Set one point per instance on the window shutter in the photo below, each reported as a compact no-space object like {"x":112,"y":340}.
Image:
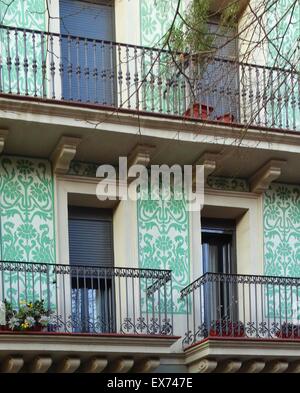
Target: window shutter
{"x":91,"y":239}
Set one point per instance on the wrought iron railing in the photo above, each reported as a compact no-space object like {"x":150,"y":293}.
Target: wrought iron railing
{"x":79,"y":69}
{"x":242,"y":306}
{"x":89,"y":299}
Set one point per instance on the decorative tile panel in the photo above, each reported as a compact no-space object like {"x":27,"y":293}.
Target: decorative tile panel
{"x":79,"y":168}
{"x":27,"y":216}
{"x":29,"y":14}
{"x":228,"y":183}
{"x":163,"y":241}
{"x":27,"y":225}
{"x":282,"y":246}
{"x":284,"y":26}
{"x":282,"y":230}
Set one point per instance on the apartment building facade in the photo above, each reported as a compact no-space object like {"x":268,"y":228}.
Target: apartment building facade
{"x":146,"y":285}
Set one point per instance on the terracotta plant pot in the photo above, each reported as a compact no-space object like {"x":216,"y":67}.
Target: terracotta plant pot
{"x":288,"y":330}
{"x":205,"y":111}
{"x":227,"y":329}
{"x":227,"y":118}
{"x":4,"y":328}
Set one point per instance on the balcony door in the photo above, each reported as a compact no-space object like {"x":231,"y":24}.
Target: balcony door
{"x":218,"y":256}
{"x":87,"y":64}
{"x":91,"y":258}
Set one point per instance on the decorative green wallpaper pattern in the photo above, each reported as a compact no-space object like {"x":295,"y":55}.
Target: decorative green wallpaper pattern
{"x":27,"y":215}
{"x":282,"y":230}
{"x":228,"y":183}
{"x":163,"y":241}
{"x":283,"y":22}
{"x":282,"y":247}
{"x":79,"y":168}
{"x":156,"y":17}
{"x":30,"y":14}
{"x":27,"y":226}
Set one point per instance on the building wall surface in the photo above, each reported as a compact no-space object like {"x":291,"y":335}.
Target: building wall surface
{"x":27,"y":210}
{"x":282,"y":230}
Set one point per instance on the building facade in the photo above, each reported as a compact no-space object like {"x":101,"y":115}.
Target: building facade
{"x":146,"y":285}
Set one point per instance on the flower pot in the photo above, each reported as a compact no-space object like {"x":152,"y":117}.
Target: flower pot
{"x":227,"y":118}
{"x":36,"y":328}
{"x":205,"y":111}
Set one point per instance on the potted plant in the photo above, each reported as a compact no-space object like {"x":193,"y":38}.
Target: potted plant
{"x":194,"y":42}
{"x":30,"y":316}
{"x":288,"y":330}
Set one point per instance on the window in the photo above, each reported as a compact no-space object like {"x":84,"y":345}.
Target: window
{"x":218,"y":256}
{"x":87,"y":64}
{"x":91,"y":249}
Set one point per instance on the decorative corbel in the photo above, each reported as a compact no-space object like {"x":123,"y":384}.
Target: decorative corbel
{"x":209,"y":161}
{"x":276,"y":367}
{"x":68,"y":365}
{"x":12,"y":364}
{"x":41,"y":364}
{"x":203,"y":366}
{"x":64,"y":153}
{"x":229,"y":366}
{"x":140,"y":155}
{"x":121,"y":365}
{"x":146,"y":365}
{"x":261,"y":180}
{"x":3,"y":135}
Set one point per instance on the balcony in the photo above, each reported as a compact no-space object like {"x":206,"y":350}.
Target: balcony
{"x":99,"y":74}
{"x":242,"y":307}
{"x":86,"y":299}
{"x":242,"y":323}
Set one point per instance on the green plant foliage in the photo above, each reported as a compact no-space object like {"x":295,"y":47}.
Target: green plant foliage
{"x":191,"y":33}
{"x":27,"y":316}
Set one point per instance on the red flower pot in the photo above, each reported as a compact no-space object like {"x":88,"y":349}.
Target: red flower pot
{"x":227,"y":118}
{"x":205,"y":111}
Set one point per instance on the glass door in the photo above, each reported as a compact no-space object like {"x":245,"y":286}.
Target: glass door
{"x":218,"y":256}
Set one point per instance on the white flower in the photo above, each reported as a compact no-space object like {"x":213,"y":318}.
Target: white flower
{"x":44,"y":320}
{"x":13,"y":322}
{"x":30,"y":321}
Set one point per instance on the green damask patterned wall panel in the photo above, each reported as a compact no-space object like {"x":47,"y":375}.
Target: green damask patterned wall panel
{"x":163,"y":238}
{"x":283,"y":22}
{"x":228,"y":183}
{"x":79,"y":168}
{"x":282,"y":230}
{"x":30,"y":14}
{"x":156,"y":17}
{"x":27,"y":211}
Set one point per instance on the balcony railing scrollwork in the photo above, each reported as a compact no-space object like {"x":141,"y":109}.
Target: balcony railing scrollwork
{"x":242,"y":306}
{"x":91,"y":299}
{"x":79,"y":69}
